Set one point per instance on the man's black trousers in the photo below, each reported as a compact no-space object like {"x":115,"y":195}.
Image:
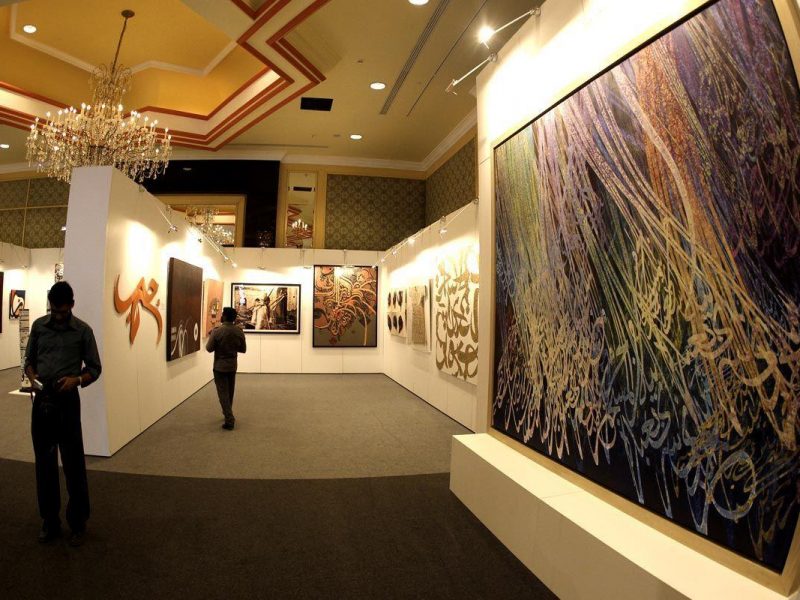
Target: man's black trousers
{"x":56,"y":425}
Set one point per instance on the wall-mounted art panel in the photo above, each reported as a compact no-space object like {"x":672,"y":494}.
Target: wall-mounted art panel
{"x":184,"y":308}
{"x":1,"y":300}
{"x":16,"y":303}
{"x":58,"y":272}
{"x":648,"y":280}
{"x":455,"y":298}
{"x":419,"y":300}
{"x":142,"y":296}
{"x":345,"y":307}
{"x":267,"y":307}
{"x":212,"y":305}
{"x":397,"y":312}
{"x":24,"y":336}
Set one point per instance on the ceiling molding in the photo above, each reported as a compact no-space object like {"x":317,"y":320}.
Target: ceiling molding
{"x":287,"y":75}
{"x":452,"y":138}
{"x":88,"y":67}
{"x":13,"y":168}
{"x":350,"y":161}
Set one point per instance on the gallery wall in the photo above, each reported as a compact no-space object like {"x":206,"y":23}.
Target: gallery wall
{"x":32,"y":271}
{"x":549,"y":58}
{"x":452,"y":185}
{"x":294,"y":353}
{"x":413,"y":366}
{"x":372,"y":213}
{"x":33,"y":211}
{"x":138,"y":386}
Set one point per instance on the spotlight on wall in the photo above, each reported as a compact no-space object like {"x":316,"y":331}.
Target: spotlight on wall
{"x":485,"y":34}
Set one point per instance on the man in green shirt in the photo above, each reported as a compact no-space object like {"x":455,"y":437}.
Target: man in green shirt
{"x":61,"y":356}
{"x":226,"y":341}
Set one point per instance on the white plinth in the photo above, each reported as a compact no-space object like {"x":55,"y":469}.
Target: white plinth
{"x":577,"y":544}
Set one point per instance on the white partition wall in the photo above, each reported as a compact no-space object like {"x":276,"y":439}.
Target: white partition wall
{"x":560,"y":525}
{"x":32,"y":271}
{"x":409,"y":365}
{"x":114,"y":228}
{"x":294,"y":353}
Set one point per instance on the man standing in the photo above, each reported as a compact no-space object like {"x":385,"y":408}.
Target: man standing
{"x":226,"y":341}
{"x":61,"y":355}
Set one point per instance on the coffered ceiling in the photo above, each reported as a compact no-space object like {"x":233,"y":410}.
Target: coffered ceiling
{"x":226,"y":76}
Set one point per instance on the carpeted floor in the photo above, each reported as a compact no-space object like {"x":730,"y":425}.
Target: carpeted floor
{"x":331,"y":486}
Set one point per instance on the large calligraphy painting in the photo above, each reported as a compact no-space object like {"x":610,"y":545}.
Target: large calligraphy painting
{"x":184,"y":308}
{"x":143,"y":294}
{"x":345,"y":306}
{"x":455,"y":298}
{"x":648,"y":280}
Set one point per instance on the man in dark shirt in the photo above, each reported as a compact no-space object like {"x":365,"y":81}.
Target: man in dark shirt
{"x":226,"y":341}
{"x":61,"y":355}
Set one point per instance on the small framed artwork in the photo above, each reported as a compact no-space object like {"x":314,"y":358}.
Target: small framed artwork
{"x":267,"y":307}
{"x":16,"y":303}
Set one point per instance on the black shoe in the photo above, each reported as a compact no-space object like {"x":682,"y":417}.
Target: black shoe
{"x":228,"y":426}
{"x":48,"y":533}
{"x":76,"y":538}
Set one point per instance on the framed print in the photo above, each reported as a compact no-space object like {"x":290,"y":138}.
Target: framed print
{"x":267,"y":307}
{"x":16,"y":303}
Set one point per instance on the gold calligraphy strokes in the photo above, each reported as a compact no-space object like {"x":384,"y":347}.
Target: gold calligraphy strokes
{"x":345,"y":306}
{"x":144,"y":295}
{"x":456,"y":315}
{"x":419,"y":301}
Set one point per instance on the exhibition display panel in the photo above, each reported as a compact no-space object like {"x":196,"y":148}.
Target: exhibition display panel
{"x":646,"y":293}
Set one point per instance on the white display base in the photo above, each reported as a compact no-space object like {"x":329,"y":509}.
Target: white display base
{"x":577,"y":544}
{"x":18,"y":393}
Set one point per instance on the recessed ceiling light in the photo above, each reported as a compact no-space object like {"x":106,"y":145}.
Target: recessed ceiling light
{"x":4,"y":146}
{"x":377,"y":85}
{"x":29,"y":28}
{"x":356,"y":136}
{"x":418,"y":2}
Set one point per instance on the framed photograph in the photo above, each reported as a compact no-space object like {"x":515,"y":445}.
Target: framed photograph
{"x":345,"y":307}
{"x":267,"y":307}
{"x":212,"y":305}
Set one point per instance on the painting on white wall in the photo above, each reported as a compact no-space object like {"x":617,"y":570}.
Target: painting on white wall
{"x":267,"y":307}
{"x":16,"y":303}
{"x":456,"y":313}
{"x":419,"y":302}
{"x":397,"y":313}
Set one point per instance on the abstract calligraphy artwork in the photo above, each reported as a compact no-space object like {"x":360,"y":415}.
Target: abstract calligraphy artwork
{"x":397,"y":313}
{"x":419,"y":299}
{"x":16,"y":303}
{"x":345,"y":307}
{"x":184,"y":308}
{"x":455,"y":301}
{"x":648,"y":280}
{"x":212,"y":305}
{"x":143,"y":294}
{"x":267,"y":307}
{"x":58,"y":272}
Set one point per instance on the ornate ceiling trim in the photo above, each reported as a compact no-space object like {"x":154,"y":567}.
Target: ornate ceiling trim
{"x":287,"y":75}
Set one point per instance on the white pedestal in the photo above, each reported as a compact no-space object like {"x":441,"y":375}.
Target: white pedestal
{"x":577,"y":544}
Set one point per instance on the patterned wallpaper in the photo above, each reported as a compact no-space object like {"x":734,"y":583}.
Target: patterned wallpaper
{"x":32,"y":212}
{"x":372,"y":213}
{"x":452,"y":185}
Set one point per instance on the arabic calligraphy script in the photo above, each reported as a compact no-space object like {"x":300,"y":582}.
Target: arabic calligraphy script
{"x":456,"y":297}
{"x":143,"y":294}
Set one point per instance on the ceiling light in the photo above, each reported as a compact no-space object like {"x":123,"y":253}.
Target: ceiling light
{"x":4,"y":146}
{"x":418,"y":2}
{"x":356,"y":136}
{"x":377,"y":85}
{"x":29,"y":28}
{"x":485,"y":34}
{"x":69,"y":138}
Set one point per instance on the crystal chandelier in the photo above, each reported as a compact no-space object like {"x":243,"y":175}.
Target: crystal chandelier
{"x":299,"y":225}
{"x":202,"y":217}
{"x":99,"y":134}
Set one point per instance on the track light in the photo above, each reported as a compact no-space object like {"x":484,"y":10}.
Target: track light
{"x":172,"y":229}
{"x":485,"y":34}
{"x":442,"y":226}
